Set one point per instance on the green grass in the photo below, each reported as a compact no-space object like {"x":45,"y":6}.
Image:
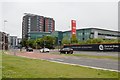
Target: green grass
{"x":91,"y":56}
{"x":19,"y":67}
{"x":0,"y":64}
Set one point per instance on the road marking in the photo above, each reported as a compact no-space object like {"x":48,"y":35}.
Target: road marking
{"x":56,"y":59}
{"x":85,"y":66}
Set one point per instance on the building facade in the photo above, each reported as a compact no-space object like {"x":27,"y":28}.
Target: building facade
{"x":36,"y":23}
{"x":1,"y":41}
{"x":49,"y":25}
{"x":4,"y":41}
{"x":35,"y":35}
{"x":81,"y":34}
{"x":13,"y":41}
{"x":91,"y":33}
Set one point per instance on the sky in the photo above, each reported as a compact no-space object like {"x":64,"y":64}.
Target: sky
{"x":92,"y":14}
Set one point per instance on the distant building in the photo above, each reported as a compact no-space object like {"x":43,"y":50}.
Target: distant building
{"x":19,"y":40}
{"x":36,"y":23}
{"x":91,"y":33}
{"x":1,"y":42}
{"x":81,"y":34}
{"x":49,"y":25}
{"x":13,"y":41}
{"x":4,"y":41}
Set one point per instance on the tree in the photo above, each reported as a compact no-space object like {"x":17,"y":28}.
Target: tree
{"x":49,"y":41}
{"x":38,"y":43}
{"x":30,"y":43}
{"x":24,"y":43}
{"x":65,"y":40}
{"x":74,"y":39}
{"x":46,"y":41}
{"x":82,"y":42}
{"x":94,"y":41}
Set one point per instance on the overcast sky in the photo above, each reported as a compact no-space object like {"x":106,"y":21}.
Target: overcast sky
{"x":87,"y":14}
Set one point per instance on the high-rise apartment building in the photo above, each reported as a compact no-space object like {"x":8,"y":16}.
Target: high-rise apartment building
{"x":36,"y":23}
{"x":49,"y":25}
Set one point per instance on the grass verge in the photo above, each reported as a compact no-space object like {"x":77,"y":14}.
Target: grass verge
{"x":0,"y":64}
{"x":19,"y":67}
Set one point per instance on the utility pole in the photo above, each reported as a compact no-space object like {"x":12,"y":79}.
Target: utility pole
{"x":4,"y":35}
{"x":43,"y":43}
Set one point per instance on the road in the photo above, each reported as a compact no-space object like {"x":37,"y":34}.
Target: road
{"x":91,"y":62}
{"x":92,"y":53}
{"x":98,"y":63}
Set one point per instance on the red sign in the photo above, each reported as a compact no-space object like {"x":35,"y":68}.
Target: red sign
{"x":73,"y":24}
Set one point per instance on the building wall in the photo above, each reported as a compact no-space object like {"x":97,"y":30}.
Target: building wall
{"x":4,"y":41}
{"x":13,"y":41}
{"x":90,"y":33}
{"x":25,"y":26}
{"x":82,"y":34}
{"x":49,"y":25}
{"x":35,"y":35}
{"x":58,"y":35}
{"x":0,"y":40}
{"x":105,"y":34}
{"x":67,"y":34}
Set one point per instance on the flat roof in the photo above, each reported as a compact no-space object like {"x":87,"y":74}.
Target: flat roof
{"x":94,"y":28}
{"x":38,"y":32}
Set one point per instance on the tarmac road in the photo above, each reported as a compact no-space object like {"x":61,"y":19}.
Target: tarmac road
{"x":92,"y":53}
{"x":99,"y":63}
{"x":91,"y":62}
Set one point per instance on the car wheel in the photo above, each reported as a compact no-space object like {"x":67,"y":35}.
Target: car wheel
{"x":41,"y":51}
{"x":68,"y":52}
{"x":71,"y":52}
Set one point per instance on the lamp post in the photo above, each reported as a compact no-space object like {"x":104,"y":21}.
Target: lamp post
{"x":4,"y":35}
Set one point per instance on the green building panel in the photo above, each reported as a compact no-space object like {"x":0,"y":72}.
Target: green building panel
{"x":36,"y":35}
{"x":67,"y":34}
{"x":79,"y":34}
{"x":87,"y":33}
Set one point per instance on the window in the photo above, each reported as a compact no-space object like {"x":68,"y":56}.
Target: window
{"x":83,"y":38}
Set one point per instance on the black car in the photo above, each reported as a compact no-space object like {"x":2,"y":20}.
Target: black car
{"x":66,"y":50}
{"x":29,"y":49}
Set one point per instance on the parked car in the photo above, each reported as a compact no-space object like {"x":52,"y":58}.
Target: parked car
{"x":44,"y":50}
{"x":29,"y":49}
{"x":66,"y":50}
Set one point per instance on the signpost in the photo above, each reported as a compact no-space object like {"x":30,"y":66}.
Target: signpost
{"x":73,"y":26}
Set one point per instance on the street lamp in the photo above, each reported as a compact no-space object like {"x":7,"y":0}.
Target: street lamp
{"x":44,"y":42}
{"x":4,"y":35}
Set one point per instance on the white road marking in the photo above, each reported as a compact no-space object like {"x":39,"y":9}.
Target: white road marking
{"x":85,"y":66}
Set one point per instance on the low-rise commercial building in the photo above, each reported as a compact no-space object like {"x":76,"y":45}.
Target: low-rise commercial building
{"x":81,"y":34}
{"x":91,"y":33}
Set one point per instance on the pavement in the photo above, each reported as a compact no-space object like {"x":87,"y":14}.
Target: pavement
{"x":105,"y":64}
